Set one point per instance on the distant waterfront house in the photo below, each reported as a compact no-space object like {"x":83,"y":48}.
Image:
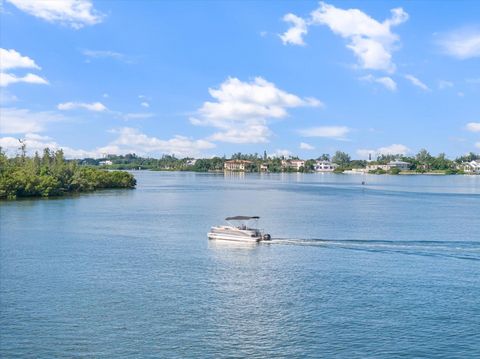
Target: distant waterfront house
{"x":374,"y":167}
{"x":263,"y":167}
{"x":472,"y":167}
{"x":236,"y":165}
{"x":325,"y":166}
{"x":105,"y":163}
{"x":191,"y":162}
{"x":402,"y":166}
{"x":293,"y":164}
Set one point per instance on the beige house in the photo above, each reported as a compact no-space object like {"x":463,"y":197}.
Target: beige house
{"x":236,"y":165}
{"x":294,"y":164}
{"x":263,"y":167}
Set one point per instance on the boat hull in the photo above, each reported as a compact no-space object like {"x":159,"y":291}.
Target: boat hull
{"x":235,"y":238}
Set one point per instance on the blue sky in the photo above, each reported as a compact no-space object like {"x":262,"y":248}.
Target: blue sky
{"x":195,"y":78}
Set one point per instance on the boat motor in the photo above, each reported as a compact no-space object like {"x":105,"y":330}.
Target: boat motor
{"x":266,"y":237}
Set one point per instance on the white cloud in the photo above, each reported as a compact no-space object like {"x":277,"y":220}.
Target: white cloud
{"x":241,"y":110}
{"x":306,"y":146}
{"x":94,"y":106}
{"x":281,"y":153}
{"x":386,"y":81}
{"x":416,"y":82}
{"x":294,"y":35}
{"x":7,"y":97}
{"x":473,"y":126}
{"x":137,"y":116}
{"x":19,"y":121}
{"x":371,"y":41}
{"x":7,"y":79}
{"x":73,"y":13}
{"x":98,"y":54}
{"x":132,"y":140}
{"x":129,"y":140}
{"x":477,"y":144}
{"x":395,"y":149}
{"x":335,"y":132}
{"x":461,"y":44}
{"x":443,"y":84}
{"x":145,"y":104}
{"x":254,"y":132}
{"x":12,"y":59}
{"x":37,"y":143}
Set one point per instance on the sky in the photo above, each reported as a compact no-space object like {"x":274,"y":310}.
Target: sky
{"x":205,"y":78}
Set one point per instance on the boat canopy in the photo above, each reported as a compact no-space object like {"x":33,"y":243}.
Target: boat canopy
{"x":241,"y":218}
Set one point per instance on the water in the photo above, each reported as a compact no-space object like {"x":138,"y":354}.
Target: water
{"x":390,"y":269}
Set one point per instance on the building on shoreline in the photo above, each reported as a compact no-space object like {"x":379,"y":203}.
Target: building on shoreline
{"x":472,"y":167}
{"x":263,"y":167}
{"x":293,"y":164}
{"x":236,"y":165}
{"x":402,"y":166}
{"x":325,"y":166}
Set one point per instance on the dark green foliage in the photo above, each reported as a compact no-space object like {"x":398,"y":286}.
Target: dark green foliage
{"x":51,"y":175}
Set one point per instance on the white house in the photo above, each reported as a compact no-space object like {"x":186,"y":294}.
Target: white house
{"x":472,"y":167}
{"x":325,"y":166}
{"x":105,"y":163}
{"x":402,"y":166}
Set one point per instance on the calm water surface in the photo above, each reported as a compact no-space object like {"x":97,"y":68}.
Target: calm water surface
{"x":390,"y":269}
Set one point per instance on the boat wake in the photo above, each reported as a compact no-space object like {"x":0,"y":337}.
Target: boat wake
{"x":467,"y":250}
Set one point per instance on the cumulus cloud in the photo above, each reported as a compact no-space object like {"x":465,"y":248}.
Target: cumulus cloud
{"x":145,"y":104}
{"x":462,"y":43}
{"x":241,"y":110}
{"x":335,"y":132}
{"x":473,"y":126}
{"x":73,"y":13}
{"x":395,"y":149}
{"x":371,"y":41}
{"x":94,"y":106}
{"x":281,"y":153}
{"x":7,"y":79}
{"x":136,"y":115}
{"x":132,"y":140}
{"x":306,"y":146}
{"x":294,"y":35}
{"x":386,"y":81}
{"x":37,"y":143}
{"x":129,"y":140}
{"x":12,"y":59}
{"x":19,"y":121}
{"x":416,"y":82}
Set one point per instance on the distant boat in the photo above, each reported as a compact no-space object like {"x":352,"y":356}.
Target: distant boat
{"x":241,"y":232}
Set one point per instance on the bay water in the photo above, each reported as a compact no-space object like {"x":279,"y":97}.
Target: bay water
{"x":384,"y":270}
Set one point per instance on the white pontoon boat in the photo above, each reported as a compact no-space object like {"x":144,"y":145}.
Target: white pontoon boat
{"x":241,"y":232}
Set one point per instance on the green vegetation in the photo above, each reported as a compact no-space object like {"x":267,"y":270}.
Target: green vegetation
{"x":422,"y":162}
{"x":51,"y":175}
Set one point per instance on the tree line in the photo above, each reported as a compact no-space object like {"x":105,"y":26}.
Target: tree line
{"x":51,"y":175}
{"x":421,"y":162}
